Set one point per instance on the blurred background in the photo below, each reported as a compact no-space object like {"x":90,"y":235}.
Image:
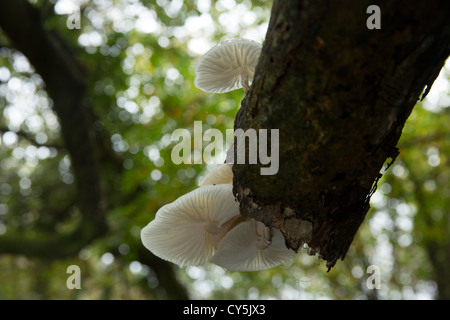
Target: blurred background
{"x":140,"y":57}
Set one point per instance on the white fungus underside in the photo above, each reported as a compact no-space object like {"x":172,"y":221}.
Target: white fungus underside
{"x":225,"y":67}
{"x":178,"y":233}
{"x":238,"y":250}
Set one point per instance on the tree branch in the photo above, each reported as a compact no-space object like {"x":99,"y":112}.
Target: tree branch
{"x":65,"y":83}
{"x":165,"y":272}
{"x":30,"y":139}
{"x":339,"y":94}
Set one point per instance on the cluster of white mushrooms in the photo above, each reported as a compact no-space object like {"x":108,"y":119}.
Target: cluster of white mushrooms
{"x":205,"y":224}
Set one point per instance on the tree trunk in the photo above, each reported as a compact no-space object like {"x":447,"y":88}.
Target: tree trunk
{"x":339,"y":93}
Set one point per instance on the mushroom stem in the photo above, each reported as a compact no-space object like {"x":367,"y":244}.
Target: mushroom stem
{"x":220,"y":230}
{"x":244,"y":248}
{"x":188,"y":230}
{"x":245,"y":82}
{"x":267,"y":235}
{"x":264,"y":236}
{"x":233,"y":222}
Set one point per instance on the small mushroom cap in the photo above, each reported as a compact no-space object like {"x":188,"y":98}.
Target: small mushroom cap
{"x":227,"y":66}
{"x":222,"y":174}
{"x":187,"y":231}
{"x":245,"y":249}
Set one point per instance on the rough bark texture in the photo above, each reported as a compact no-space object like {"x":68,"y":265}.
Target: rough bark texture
{"x":339,"y":94}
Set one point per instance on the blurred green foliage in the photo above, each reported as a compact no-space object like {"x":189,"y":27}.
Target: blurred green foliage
{"x":139,"y":57}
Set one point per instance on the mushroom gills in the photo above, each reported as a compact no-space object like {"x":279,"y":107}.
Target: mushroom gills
{"x":216,"y":231}
{"x":228,"y":66}
{"x":246,"y":248}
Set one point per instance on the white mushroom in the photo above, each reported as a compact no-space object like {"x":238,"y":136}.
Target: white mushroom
{"x":222,"y":174}
{"x":228,"y":66}
{"x":188,"y":230}
{"x":248,"y":247}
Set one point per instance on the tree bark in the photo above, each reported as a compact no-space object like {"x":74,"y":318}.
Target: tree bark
{"x":339,"y":94}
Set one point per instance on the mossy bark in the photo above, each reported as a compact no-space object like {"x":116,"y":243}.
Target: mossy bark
{"x":339,"y":94}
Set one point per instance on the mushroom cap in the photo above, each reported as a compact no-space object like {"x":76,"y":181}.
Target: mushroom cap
{"x":244,"y":248}
{"x":227,"y":65}
{"x":188,"y":230}
{"x":222,"y":174}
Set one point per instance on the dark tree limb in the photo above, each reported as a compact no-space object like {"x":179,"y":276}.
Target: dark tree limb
{"x":89,"y":149}
{"x":28,"y":137}
{"x":66,"y":85}
{"x":165,"y":273}
{"x":340,"y":95}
